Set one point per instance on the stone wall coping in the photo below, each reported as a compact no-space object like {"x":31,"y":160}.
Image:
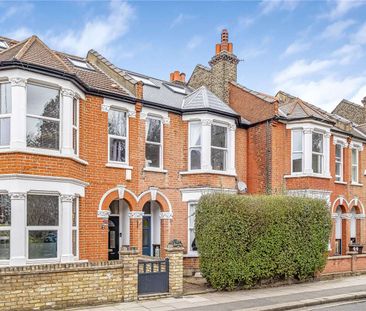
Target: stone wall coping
{"x":174,"y":249}
{"x":61,"y":268}
{"x":339,"y":257}
{"x":128,"y":252}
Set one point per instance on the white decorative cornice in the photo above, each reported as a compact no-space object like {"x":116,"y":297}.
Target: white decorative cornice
{"x":346,"y":216}
{"x":131,"y":113}
{"x":327,"y":135}
{"x":360,"y":216}
{"x":153,"y":192}
{"x":135,"y":215}
{"x":356,"y":145}
{"x":121,"y":191}
{"x":206,"y":122}
{"x":103,"y":214}
{"x":166,"y":120}
{"x":17,"y":195}
{"x":232,"y":127}
{"x":18,"y":82}
{"x":66,"y":198}
{"x":307,"y":130}
{"x":166,"y":215}
{"x":340,"y":141}
{"x":68,"y":93}
{"x":143,"y":115}
{"x":105,"y":107}
{"x":334,"y":215}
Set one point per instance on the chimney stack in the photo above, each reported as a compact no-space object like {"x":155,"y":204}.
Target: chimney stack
{"x":178,"y":77}
{"x":364,"y":101}
{"x":225,"y":45}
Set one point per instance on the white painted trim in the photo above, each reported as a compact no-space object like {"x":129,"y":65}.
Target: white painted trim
{"x":194,"y":194}
{"x":153,"y":193}
{"x":193,"y":172}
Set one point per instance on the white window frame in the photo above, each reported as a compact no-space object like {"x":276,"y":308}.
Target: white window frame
{"x":191,"y":252}
{"x":161,"y":144}
{"x":126,"y":138}
{"x":6,"y":228}
{"x":226,"y":149}
{"x":320,"y":154}
{"x":339,"y":161}
{"x":59,"y":120}
{"x":75,"y":127}
{"x":194,"y":147}
{"x":76,"y":227}
{"x":353,"y":180}
{"x":7,"y":116}
{"x":297,"y":152}
{"x":43,"y":228}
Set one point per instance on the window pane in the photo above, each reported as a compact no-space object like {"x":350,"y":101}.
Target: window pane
{"x":5,"y":132}
{"x":117,"y":150}
{"x":195,"y":134}
{"x":75,"y":140}
{"x":338,"y":171}
{"x":338,"y":151}
{"x":218,"y":159}
{"x":5,"y":98}
{"x":195,"y":159}
{"x":4,"y":245}
{"x":318,"y":142}
{"x":43,"y":101}
{"x":117,"y":123}
{"x":297,"y":141}
{"x":43,"y":133}
{"x":153,"y":155}
{"x":218,"y":136}
{"x":42,"y":244}
{"x":153,"y":129}
{"x":42,"y":210}
{"x":191,"y":224}
{"x":75,"y":112}
{"x":75,"y":242}
{"x":354,"y":156}
{"x":5,"y":210}
{"x":317,"y":163}
{"x":354,"y":174}
{"x":297,"y":162}
{"x":74,"y":212}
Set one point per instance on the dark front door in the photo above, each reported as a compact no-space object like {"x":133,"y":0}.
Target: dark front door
{"x":146,"y":235}
{"x":113,"y":238}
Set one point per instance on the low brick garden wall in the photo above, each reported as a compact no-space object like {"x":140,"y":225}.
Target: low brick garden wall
{"x":352,"y":263}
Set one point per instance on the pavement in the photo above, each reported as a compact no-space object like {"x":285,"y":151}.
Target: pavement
{"x":291,"y":297}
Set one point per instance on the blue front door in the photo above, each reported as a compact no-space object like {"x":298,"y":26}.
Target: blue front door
{"x":146,"y":235}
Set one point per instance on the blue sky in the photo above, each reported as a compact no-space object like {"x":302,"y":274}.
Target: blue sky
{"x":313,"y":49}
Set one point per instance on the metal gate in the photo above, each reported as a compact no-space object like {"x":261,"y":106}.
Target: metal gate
{"x":153,"y":276}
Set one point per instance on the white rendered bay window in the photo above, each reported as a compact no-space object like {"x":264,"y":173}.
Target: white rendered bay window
{"x":75,"y":126}
{"x":117,"y":129}
{"x":195,"y":133}
{"x":5,"y":114}
{"x":5,"y":223}
{"x":154,"y":142}
{"x":297,"y":151}
{"x":219,"y":148}
{"x":317,"y":153}
{"x":43,"y":117}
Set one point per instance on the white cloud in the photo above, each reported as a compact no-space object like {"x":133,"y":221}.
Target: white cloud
{"x":360,"y":36}
{"x":20,"y":33}
{"x":342,"y":7}
{"x":302,"y":68}
{"x":15,"y":11}
{"x":245,"y":21}
{"x":336,"y":29}
{"x":98,"y":33}
{"x":348,"y":53}
{"x":180,"y":19}
{"x":297,"y":47}
{"x":268,"y":6}
{"x":194,"y":42}
{"x":361,"y":94}
{"x":326,"y":92}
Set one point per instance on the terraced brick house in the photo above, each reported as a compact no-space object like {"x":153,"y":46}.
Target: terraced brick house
{"x":94,"y":157}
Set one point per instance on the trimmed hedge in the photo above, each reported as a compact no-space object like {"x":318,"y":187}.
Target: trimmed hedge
{"x":243,"y":240}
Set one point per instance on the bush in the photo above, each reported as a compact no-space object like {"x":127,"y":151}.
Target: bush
{"x":243,"y":240}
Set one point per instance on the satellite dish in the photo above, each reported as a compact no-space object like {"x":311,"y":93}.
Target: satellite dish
{"x":242,"y":186}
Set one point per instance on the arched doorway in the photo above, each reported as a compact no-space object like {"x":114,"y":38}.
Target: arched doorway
{"x":118,"y":228}
{"x":353,"y":225}
{"x":151,"y":229}
{"x":338,"y":231}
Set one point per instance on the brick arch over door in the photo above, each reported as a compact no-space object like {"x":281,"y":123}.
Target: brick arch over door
{"x":154,"y":195}
{"x":347,"y":206}
{"x":118,"y":193}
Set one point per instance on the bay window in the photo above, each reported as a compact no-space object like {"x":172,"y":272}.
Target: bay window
{"x":218,"y":147}
{"x":154,"y":137}
{"x":195,"y":133}
{"x":297,"y":153}
{"x":43,"y":117}
{"x":192,"y":247}
{"x":354,"y":164}
{"x":117,"y":129}
{"x":5,"y":222}
{"x":5,"y":113}
{"x":317,"y":153}
{"x":339,"y":162}
{"x":42,"y":226}
{"x":75,"y":226}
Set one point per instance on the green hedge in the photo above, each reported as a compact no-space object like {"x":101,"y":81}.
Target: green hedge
{"x":246,"y":239}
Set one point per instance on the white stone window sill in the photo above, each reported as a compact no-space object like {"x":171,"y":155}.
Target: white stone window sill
{"x":49,"y":153}
{"x":191,"y":255}
{"x":119,"y":165}
{"x":155,"y":170}
{"x":42,"y":261}
{"x":356,"y":184}
{"x":226,"y":173}
{"x":308,"y":175}
{"x":4,"y":262}
{"x":341,"y":182}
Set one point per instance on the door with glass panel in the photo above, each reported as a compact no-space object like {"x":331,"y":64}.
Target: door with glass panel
{"x":113,"y":238}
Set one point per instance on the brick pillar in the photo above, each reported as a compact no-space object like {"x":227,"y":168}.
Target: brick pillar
{"x":129,"y":259}
{"x":165,"y":219}
{"x":136,"y":230}
{"x":175,"y":255}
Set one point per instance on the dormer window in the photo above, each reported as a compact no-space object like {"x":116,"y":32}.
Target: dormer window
{"x":80,"y":63}
{"x":3,"y":45}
